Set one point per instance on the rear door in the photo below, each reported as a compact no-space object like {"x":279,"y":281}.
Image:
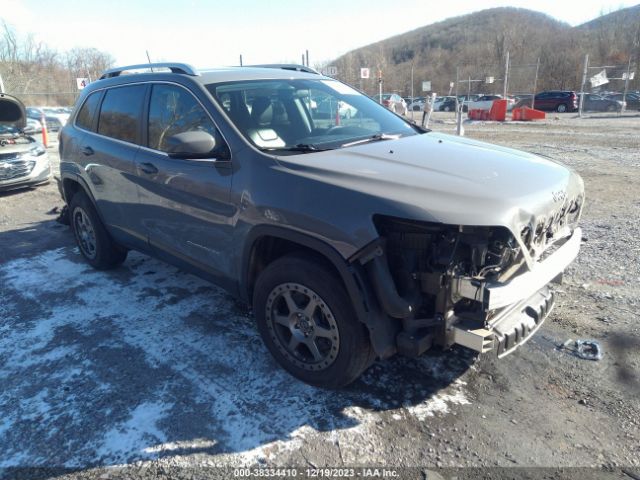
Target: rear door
{"x":185,"y":203}
{"x":542,"y":102}
{"x":108,"y":159}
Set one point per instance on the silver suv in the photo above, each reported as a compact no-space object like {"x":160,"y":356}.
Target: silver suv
{"x":352,"y":238}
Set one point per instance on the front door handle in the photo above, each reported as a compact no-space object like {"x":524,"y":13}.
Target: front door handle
{"x":87,"y":151}
{"x":149,"y":168}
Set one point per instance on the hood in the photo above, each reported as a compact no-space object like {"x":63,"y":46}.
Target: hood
{"x":12,"y":112}
{"x":448,"y":179}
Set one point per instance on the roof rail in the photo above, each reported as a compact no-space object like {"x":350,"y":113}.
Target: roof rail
{"x":287,"y":66}
{"x":174,"y":67}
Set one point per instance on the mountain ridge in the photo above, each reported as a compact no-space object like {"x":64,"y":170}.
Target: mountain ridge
{"x":475,"y":45}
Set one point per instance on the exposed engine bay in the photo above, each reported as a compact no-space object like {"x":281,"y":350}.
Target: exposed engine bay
{"x":464,"y":284}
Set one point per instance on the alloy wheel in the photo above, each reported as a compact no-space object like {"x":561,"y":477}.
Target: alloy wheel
{"x":302,"y":326}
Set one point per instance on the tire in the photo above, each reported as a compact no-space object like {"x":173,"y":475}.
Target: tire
{"x":561,"y":108}
{"x":290,"y":325}
{"x":447,"y":108}
{"x":612,"y":108}
{"x":95,"y":244}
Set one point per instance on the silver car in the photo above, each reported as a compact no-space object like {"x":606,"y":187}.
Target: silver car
{"x":23,"y":160}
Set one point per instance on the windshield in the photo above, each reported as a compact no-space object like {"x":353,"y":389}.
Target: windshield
{"x":305,"y":115}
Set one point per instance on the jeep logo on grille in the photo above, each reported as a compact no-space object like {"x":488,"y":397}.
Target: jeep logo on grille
{"x":559,"y":196}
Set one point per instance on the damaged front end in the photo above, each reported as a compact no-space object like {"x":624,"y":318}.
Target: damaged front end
{"x":480,"y":287}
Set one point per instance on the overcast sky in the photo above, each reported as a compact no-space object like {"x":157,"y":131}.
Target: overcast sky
{"x":213,"y":33}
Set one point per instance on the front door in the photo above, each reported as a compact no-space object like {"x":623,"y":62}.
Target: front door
{"x":185,"y":203}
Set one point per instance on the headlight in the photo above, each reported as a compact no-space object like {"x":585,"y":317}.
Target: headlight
{"x":38,"y":151}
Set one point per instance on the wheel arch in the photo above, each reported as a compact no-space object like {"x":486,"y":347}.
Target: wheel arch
{"x":71,"y":185}
{"x":266,"y":243}
{"x":382,"y":329}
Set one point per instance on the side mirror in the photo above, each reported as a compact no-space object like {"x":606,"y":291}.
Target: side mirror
{"x":195,"y":144}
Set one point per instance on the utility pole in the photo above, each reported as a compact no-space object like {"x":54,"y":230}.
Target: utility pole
{"x":1,"y":85}
{"x":626,"y":86}
{"x":303,"y":59}
{"x":412,"y":81}
{"x":506,"y":76}
{"x":148,"y":59}
{"x":307,"y":52}
{"x":584,"y":80}
{"x":240,"y":59}
{"x":535,"y":84}
{"x":457,"y":75}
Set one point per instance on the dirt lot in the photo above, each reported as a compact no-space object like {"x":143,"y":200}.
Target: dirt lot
{"x":155,"y":370}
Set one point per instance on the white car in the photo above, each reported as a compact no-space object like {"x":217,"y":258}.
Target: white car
{"x":59,"y":113}
{"x":486,"y":101}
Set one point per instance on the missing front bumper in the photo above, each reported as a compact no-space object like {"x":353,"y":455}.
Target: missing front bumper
{"x":510,"y":328}
{"x":495,"y":295}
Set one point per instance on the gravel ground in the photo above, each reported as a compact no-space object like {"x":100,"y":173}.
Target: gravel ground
{"x":146,"y":371}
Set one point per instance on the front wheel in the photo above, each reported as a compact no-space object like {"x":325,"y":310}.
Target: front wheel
{"x":561,"y":108}
{"x":307,"y":322}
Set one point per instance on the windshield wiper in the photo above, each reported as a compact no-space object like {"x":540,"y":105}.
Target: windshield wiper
{"x":373,"y":138}
{"x":301,"y":147}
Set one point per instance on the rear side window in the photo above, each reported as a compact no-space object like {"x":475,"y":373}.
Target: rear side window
{"x":88,"y":111}
{"x":174,"y":110}
{"x":120,"y":113}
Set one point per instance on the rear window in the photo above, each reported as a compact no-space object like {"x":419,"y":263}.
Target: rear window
{"x":121,"y":112}
{"x":88,"y":111}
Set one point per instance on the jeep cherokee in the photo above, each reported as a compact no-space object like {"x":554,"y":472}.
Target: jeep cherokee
{"x":352,"y":238}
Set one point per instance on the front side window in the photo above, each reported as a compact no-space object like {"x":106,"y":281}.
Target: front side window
{"x":174,"y":110}
{"x":305,"y":115}
{"x":120,"y":113}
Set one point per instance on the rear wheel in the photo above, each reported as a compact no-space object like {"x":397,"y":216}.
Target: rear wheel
{"x":94,"y":242}
{"x":307,"y":322}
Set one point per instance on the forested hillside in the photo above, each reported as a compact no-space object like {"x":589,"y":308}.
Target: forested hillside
{"x":475,"y":47}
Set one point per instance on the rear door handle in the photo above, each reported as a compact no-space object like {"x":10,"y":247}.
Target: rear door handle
{"x":149,"y":168}
{"x":87,"y":151}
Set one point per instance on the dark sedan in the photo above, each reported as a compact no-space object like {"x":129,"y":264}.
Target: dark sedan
{"x":633,"y":100}
{"x":596,"y":103}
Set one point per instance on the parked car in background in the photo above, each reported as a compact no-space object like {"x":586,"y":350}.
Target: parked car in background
{"x":23,"y":160}
{"x":393,"y":102}
{"x":632,"y":99}
{"x":449,"y":105}
{"x":416,"y":106}
{"x":596,"y":103}
{"x":53,"y":122}
{"x":440,"y":100}
{"x":485,"y":102}
{"x":59,"y":112}
{"x":33,"y":127}
{"x":554,"y":101}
